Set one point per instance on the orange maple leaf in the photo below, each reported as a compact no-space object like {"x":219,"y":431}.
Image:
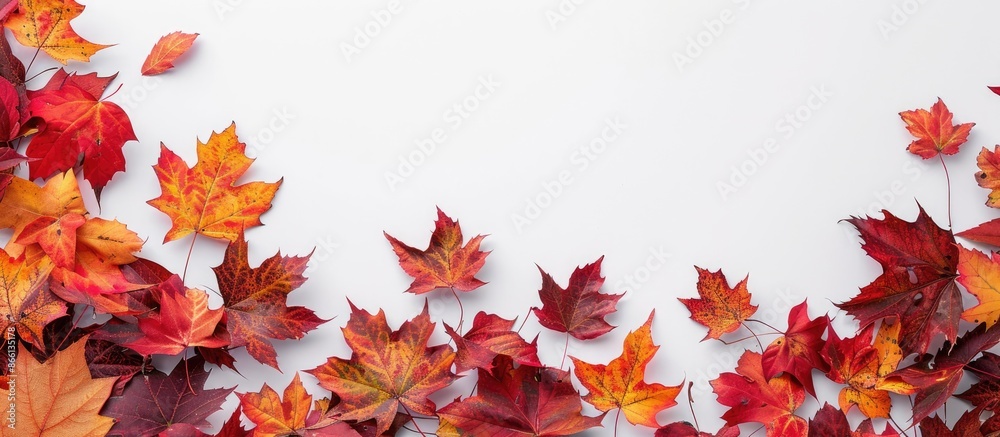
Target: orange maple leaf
{"x":720,"y":308}
{"x":863,"y":367}
{"x":620,"y":384}
{"x":205,"y":199}
{"x":988,"y":175}
{"x":934,"y":131}
{"x":387,"y":370}
{"x":445,"y":263}
{"x":26,"y":304}
{"x":293,"y":415}
{"x":171,"y":46}
{"x":45,"y":24}
{"x":58,"y":397}
{"x":980,"y":274}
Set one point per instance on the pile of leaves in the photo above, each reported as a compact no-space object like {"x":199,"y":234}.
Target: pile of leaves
{"x":62,"y":262}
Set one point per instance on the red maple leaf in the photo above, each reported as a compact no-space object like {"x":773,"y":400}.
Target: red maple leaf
{"x":685,"y":429}
{"x":752,"y":397}
{"x":967,"y":426}
{"x":170,"y":47}
{"x":919,"y":267}
{"x":831,"y":422}
{"x":798,"y":351}
{"x":183,"y":320}
{"x":491,"y":335}
{"x":987,"y":233}
{"x":934,"y":131}
{"x":580,"y":308}
{"x":445,"y":263}
{"x":720,"y":308}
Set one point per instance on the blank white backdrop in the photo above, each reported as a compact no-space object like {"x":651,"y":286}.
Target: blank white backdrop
{"x":336,"y":102}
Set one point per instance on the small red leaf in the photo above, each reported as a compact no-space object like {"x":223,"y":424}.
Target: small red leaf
{"x":166,"y":51}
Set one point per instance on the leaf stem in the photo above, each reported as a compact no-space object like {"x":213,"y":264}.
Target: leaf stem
{"x":461,"y":311}
{"x":188,"y":375}
{"x":776,"y":330}
{"x":524,"y":321}
{"x":947,"y":179}
{"x":565,"y":351}
{"x":188,"y":260}
{"x":413,"y":419}
{"x":754,"y":334}
{"x":694,"y":416}
{"x":619,"y":413}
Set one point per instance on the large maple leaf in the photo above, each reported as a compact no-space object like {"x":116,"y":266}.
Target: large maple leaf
{"x":491,"y":335}
{"x":78,"y":122}
{"x":863,"y":367}
{"x":170,"y":47}
{"x":621,"y":383}
{"x":58,"y":397}
{"x":156,"y":401}
{"x":752,"y":397}
{"x":580,"y":308}
{"x":917,"y":286}
{"x":387,"y":369}
{"x":184,"y":320}
{"x":797,"y":352}
{"x":445,"y":263}
{"x":719,"y":308}
{"x":518,"y":402}
{"x":293,"y":415}
{"x":255,"y":301}
{"x":45,"y":24}
{"x":988,"y":175}
{"x":934,"y":131}
{"x":26,"y":303}
{"x":205,"y":199}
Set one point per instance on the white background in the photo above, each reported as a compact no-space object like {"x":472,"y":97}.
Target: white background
{"x":689,"y":128}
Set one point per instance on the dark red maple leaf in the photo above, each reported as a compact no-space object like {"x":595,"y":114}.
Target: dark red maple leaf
{"x":255,"y":301}
{"x":445,"y":263}
{"x":519,"y":401}
{"x":752,"y":397}
{"x":153,"y":402}
{"x":8,"y":160}
{"x":106,"y":359}
{"x":967,"y":426}
{"x":12,"y":70}
{"x":798,"y":351}
{"x":685,"y":429}
{"x":580,"y":308}
{"x":986,"y":392}
{"x":831,"y":422}
{"x":491,"y":335}
{"x":919,"y":263}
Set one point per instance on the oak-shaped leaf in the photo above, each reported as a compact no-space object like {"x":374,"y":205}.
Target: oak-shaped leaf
{"x":387,"y":369}
{"x":621,"y":383}
{"x":45,"y":24}
{"x":205,"y":199}
{"x":255,"y":300}
{"x":752,"y":397}
{"x":797,"y":352}
{"x":580,"y":308}
{"x":58,"y":397}
{"x":491,"y":335}
{"x":520,"y":401}
{"x":445,"y":263}
{"x":154,"y":401}
{"x":917,"y":286}
{"x":988,"y":175}
{"x":862,"y":366}
{"x":184,"y":320}
{"x":719,"y":308}
{"x":934,"y":131}
{"x":686,"y":429}
{"x":292,"y":414}
{"x":166,"y":51}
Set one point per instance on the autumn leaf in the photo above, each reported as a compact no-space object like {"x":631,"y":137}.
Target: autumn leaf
{"x":967,"y":426}
{"x":58,"y":397}
{"x":205,"y":199}
{"x":445,"y":263}
{"x":988,"y":175}
{"x":520,"y":401}
{"x":25,"y":203}
{"x":491,"y":335}
{"x":10,"y":119}
{"x":720,"y":308}
{"x":170,"y":47}
{"x":831,"y":422}
{"x":685,"y":429}
{"x":78,"y":122}
{"x":184,"y":320}
{"x":107,"y":359}
{"x":45,"y":24}
{"x":9,"y":158}
{"x":752,"y":397}
{"x":863,"y":367}
{"x":986,"y":233}
{"x":156,"y":401}
{"x":387,"y":369}
{"x":621,"y":383}
{"x":986,"y":392}
{"x":981,"y":277}
{"x":580,"y":308}
{"x":797,"y":352}
{"x":275,"y":416}
{"x":934,"y":131}
{"x":27,"y":304}
{"x":917,"y":286}
{"x":255,"y":301}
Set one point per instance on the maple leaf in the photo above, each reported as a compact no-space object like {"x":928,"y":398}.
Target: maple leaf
{"x":12,"y":69}
{"x":107,"y":359}
{"x":863,"y":367}
{"x":255,"y":300}
{"x":721,"y":309}
{"x":10,"y":116}
{"x":797,"y":352}
{"x":621,"y":383}
{"x":445,"y":263}
{"x":78,"y":122}
{"x":986,"y":392}
{"x":934,"y":131}
{"x":917,"y":286}
{"x":967,"y":426}
{"x":981,"y":277}
{"x":491,"y":335}
{"x":685,"y":429}
{"x":205,"y":199}
{"x":988,"y":175}
{"x":156,"y":401}
{"x":275,"y":416}
{"x":9,"y":158}
{"x":25,"y":203}
{"x":752,"y":397}
{"x":934,"y":382}
{"x":58,"y":397}
{"x":987,"y":233}
{"x":831,"y":422}
{"x":580,"y":308}
{"x":520,"y":401}
{"x":184,"y":320}
{"x":45,"y":24}
{"x":387,"y":369}
{"x":170,"y":47}
{"x":27,"y":304}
